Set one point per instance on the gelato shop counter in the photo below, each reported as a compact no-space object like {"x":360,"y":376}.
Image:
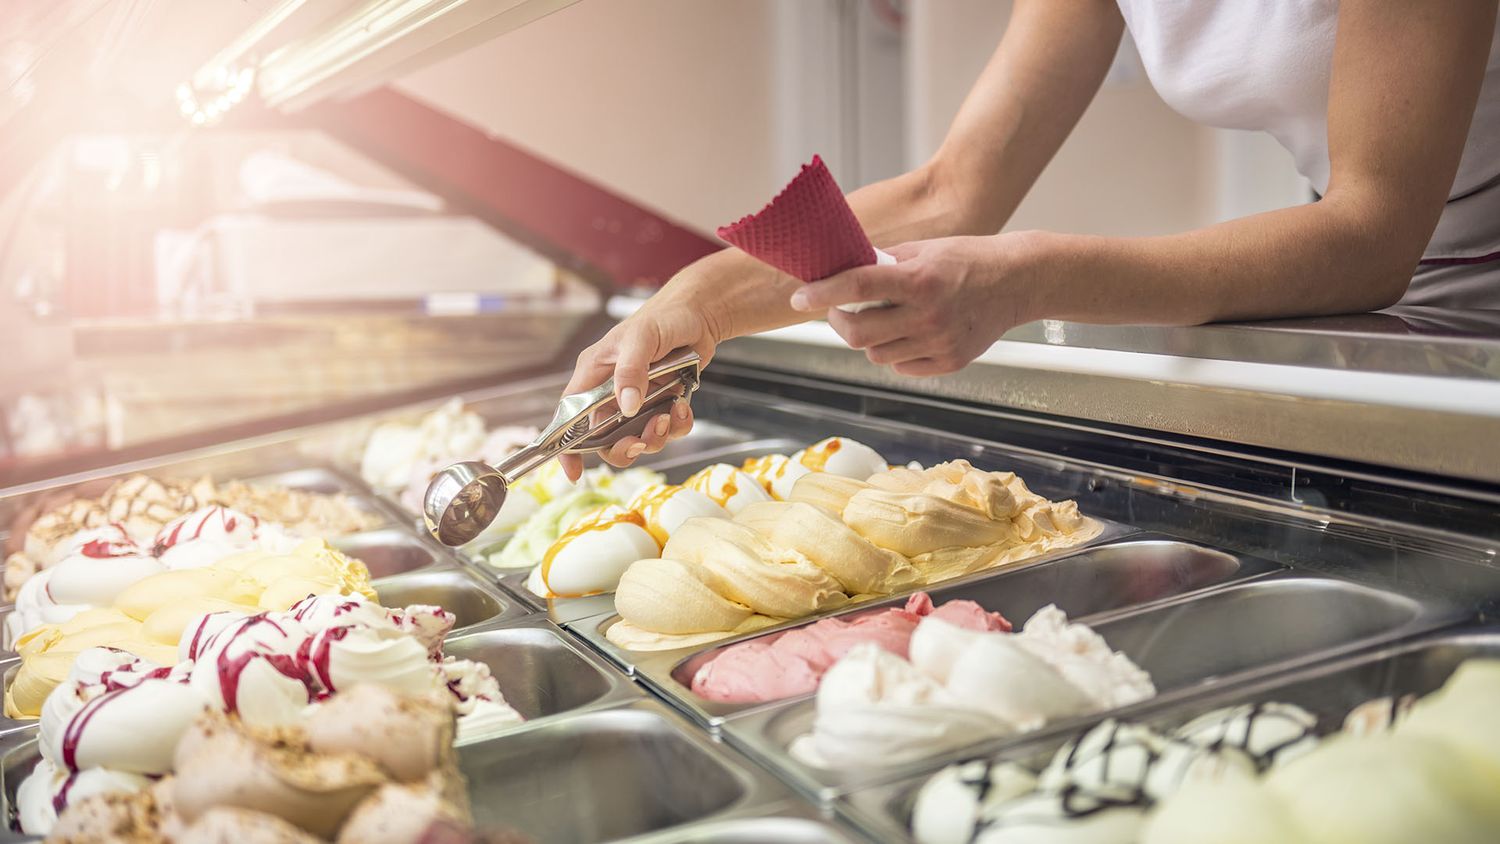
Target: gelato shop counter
{"x":844,"y":608}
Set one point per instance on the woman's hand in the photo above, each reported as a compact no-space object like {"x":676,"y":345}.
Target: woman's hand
{"x":950,"y":299}
{"x":667,"y":321}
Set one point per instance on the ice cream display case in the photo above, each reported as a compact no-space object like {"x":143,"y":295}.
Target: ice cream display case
{"x":1129,"y":590}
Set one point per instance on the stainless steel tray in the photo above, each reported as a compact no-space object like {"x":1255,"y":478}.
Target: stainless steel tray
{"x":471,"y":600}
{"x":657,"y":667}
{"x":1329,"y":691}
{"x":392,"y":552}
{"x":609,"y":774}
{"x":1135,"y":571}
{"x":542,"y":672}
{"x":1192,"y":645}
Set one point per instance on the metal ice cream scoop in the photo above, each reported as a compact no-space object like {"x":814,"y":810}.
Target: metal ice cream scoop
{"x":464,"y":498}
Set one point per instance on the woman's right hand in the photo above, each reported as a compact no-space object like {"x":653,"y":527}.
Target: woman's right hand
{"x":669,"y":320}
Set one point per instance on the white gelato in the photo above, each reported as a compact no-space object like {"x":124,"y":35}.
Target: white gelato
{"x":590,"y":557}
{"x":962,"y":686}
{"x":727,"y":486}
{"x":841,"y":456}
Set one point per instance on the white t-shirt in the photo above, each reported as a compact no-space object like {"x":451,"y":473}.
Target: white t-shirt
{"x":1265,"y":65}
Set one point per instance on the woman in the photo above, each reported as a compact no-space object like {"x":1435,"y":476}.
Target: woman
{"x":1391,"y":108}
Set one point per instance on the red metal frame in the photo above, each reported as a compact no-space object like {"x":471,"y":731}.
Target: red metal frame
{"x":573,"y":220}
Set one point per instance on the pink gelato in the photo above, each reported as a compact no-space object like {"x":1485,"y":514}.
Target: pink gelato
{"x":792,"y":663}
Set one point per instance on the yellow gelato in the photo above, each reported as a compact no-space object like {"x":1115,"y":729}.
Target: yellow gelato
{"x":835,"y":538}
{"x":148,"y":617}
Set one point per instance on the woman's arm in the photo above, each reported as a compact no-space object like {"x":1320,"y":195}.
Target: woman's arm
{"x":1405,"y":80}
{"x":1041,"y":78}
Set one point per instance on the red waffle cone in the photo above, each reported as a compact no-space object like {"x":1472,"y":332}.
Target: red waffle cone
{"x":808,"y":231}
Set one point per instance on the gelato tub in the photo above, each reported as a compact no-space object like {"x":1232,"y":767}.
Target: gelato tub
{"x":1329,"y":692}
{"x":1195,"y":644}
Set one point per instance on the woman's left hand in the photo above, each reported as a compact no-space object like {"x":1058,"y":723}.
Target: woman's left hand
{"x":950,"y":299}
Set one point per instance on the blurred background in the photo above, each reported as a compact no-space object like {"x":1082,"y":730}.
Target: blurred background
{"x":222,"y":215}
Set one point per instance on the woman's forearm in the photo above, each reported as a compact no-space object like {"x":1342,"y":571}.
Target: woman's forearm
{"x":1303,"y":261}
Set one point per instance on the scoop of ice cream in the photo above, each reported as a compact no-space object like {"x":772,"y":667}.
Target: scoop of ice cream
{"x":209,"y":534}
{"x":998,"y":674}
{"x":792,"y":663}
{"x":841,"y":456}
{"x":132,"y":729}
{"x":317,"y":612}
{"x":672,"y":597}
{"x":530,"y":544}
{"x":241,"y":826}
{"x":402,"y":814}
{"x":250,"y":668}
{"x":590,"y":557}
{"x":341,"y":657}
{"x":776,"y":473}
{"x":1390,"y":788}
{"x":48,"y":653}
{"x":664,"y":507}
{"x":1268,"y":732}
{"x":875,"y":708}
{"x":395,"y":447}
{"x":111,"y":816}
{"x":959,"y":686}
{"x":1461,"y":712}
{"x":858,"y":565}
{"x":621,"y":485}
{"x":222,"y":763}
{"x":1085,"y":659}
{"x":950,"y":806}
{"x":727,"y":486}
{"x":744,"y":567}
{"x":313,"y":567}
{"x":49,"y":787}
{"x":827,"y":492}
{"x":35,"y":607}
{"x":181,"y":588}
{"x":408,"y":737}
{"x":1229,"y":812}
{"x":93,"y":572}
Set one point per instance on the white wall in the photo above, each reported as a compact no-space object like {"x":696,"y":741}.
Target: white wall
{"x":668,"y":101}
{"x":681,"y":104}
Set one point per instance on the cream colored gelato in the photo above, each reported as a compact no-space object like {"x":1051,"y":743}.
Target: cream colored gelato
{"x":776,"y":473}
{"x":836,"y":539}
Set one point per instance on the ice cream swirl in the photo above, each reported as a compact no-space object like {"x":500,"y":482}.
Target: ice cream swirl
{"x":834,"y":539}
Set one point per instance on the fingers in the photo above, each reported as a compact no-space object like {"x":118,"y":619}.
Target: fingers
{"x":899,"y":351}
{"x":921,"y":367}
{"x":871,"y":328}
{"x":594,"y":365}
{"x":861,"y":284}
{"x":682,"y":419}
{"x":624,"y":452}
{"x":637,"y":351}
{"x":572,"y":466}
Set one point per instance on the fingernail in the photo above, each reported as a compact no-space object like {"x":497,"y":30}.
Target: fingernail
{"x":630,"y":401}
{"x":799,"y":300}
{"x":680,"y":408}
{"x":635,"y":451}
{"x":662,"y":423}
